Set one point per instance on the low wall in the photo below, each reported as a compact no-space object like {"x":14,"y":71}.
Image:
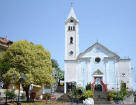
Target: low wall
{"x":2,"y":92}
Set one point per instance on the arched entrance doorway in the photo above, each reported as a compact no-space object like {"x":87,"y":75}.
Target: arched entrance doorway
{"x":98,"y":84}
{"x":98,"y":87}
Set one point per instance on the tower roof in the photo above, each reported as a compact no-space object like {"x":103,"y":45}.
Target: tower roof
{"x":72,"y":14}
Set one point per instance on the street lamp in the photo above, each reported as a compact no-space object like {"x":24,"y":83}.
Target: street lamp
{"x":22,"y":77}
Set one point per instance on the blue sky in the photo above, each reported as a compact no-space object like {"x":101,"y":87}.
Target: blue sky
{"x":111,"y":22}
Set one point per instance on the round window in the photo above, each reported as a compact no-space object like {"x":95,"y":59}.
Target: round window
{"x":71,"y":52}
{"x":97,"y":59}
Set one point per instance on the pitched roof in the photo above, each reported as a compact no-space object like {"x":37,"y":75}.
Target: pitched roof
{"x":72,"y":14}
{"x":97,"y":44}
{"x":4,"y":42}
{"x":97,"y":72}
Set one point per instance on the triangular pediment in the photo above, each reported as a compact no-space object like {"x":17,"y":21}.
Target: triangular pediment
{"x":68,"y":20}
{"x":98,"y":48}
{"x":98,"y":72}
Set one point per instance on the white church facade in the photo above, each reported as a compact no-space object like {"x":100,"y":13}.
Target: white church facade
{"x":96,"y":65}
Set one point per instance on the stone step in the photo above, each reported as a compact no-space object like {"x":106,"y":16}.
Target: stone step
{"x":101,"y":97}
{"x":102,"y":102}
{"x":100,"y":93}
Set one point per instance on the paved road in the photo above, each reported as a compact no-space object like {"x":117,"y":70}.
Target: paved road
{"x":100,"y":104}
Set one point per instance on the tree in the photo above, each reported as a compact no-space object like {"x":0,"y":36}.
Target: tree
{"x":58,"y":72}
{"x":11,"y":94}
{"x":33,"y":60}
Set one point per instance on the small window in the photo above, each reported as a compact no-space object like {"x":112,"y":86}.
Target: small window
{"x":69,"y":28}
{"x":73,"y":28}
{"x":71,"y":40}
{"x":71,"y":52}
{"x":97,"y":59}
{"x":71,"y":21}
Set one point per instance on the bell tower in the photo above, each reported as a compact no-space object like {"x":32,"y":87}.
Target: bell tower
{"x":71,"y":36}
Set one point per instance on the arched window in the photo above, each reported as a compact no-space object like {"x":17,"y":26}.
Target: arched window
{"x":73,"y":28}
{"x":71,"y":40}
{"x":71,"y":21}
{"x":68,"y":28}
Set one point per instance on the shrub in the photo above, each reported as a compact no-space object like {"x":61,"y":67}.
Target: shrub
{"x":114,"y":95}
{"x":88,"y":87}
{"x":87,"y":94}
{"x":46,"y":96}
{"x":23,"y":96}
{"x":10,"y":94}
{"x":38,"y":97}
{"x":78,"y":92}
{"x":123,"y":90}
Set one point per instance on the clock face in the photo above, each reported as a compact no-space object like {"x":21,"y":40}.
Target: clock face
{"x":71,"y":52}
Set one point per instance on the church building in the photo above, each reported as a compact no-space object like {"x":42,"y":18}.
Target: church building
{"x":97,"y":65}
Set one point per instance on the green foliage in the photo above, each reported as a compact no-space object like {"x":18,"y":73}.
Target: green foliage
{"x":115,"y":95}
{"x":123,"y":90}
{"x":42,"y":103}
{"x":31,"y":59}
{"x":134,"y":93}
{"x":119,"y":95}
{"x":37,"y":97}
{"x":46,"y":96}
{"x":23,"y":96}
{"x":10,"y":94}
{"x":78,"y":92}
{"x":87,"y":94}
{"x":58,"y":73}
{"x":88,"y":87}
{"x":54,"y":63}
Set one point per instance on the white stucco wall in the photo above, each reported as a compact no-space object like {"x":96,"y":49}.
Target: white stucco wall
{"x":74,"y":34}
{"x":70,"y":70}
{"x":111,"y":75}
{"x":125,"y":67}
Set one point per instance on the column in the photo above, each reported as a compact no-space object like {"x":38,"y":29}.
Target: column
{"x":65,"y":80}
{"x":88,"y":71}
{"x":107,"y":72}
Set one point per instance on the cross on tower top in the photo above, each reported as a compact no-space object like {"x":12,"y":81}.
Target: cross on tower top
{"x":71,"y":4}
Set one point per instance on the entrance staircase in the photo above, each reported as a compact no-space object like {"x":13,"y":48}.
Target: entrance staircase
{"x":100,"y":97}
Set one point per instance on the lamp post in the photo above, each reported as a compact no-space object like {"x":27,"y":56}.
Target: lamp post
{"x":22,"y":77}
